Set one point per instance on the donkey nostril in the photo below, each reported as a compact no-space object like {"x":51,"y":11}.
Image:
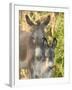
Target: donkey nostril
{"x":36,"y":76}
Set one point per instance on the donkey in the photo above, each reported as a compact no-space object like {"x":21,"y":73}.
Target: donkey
{"x":32,"y":48}
{"x":44,"y":69}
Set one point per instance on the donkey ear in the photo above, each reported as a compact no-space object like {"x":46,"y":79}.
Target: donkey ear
{"x":28,"y":20}
{"x":54,"y":43}
{"x":46,"y":20}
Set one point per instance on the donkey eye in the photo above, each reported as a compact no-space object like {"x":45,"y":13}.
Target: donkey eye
{"x":32,"y":37}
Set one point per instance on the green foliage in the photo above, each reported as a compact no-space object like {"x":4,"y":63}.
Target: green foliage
{"x":59,"y":51}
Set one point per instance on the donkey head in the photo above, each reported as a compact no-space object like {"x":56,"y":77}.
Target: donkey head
{"x":38,"y":35}
{"x":49,"y":52}
{"x":42,"y":69}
